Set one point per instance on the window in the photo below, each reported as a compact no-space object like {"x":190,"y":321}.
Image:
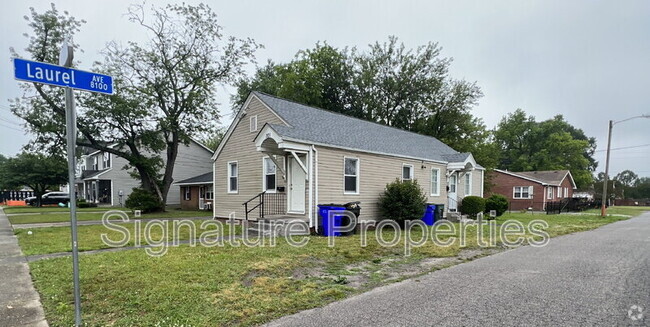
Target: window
{"x":452,"y":184}
{"x":187,"y":194}
{"x":253,"y":123}
{"x":95,"y":163}
{"x":269,"y":175}
{"x":107,"y":160}
{"x":549,"y":193}
{"x":559,"y":192}
{"x":435,"y":181}
{"x":209,"y":193}
{"x":468,"y":184}
{"x":566,"y":192}
{"x":233,"y":174}
{"x":407,"y":172}
{"x":522,"y":192}
{"x":351,"y":176}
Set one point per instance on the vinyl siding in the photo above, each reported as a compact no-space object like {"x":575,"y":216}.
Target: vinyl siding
{"x":375,"y":171}
{"x":241,"y":148}
{"x":192,"y":160}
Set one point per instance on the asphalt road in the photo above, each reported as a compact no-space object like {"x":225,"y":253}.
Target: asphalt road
{"x":591,"y":278}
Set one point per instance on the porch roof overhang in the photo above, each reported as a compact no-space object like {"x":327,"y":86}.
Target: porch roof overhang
{"x":271,"y":142}
{"x":468,"y":164}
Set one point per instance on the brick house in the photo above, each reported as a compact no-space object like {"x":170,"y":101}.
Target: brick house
{"x":196,"y":193}
{"x":532,"y":189}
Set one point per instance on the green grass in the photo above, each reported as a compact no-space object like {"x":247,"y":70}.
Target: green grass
{"x":57,"y":239}
{"x":12,"y":210}
{"x":230,"y":285}
{"x":55,"y":217}
{"x":622,"y":210}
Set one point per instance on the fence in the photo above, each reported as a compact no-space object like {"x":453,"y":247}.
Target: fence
{"x":554,"y":207}
{"x":15,"y":195}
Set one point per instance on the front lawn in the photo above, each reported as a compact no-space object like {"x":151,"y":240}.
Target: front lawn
{"x":28,"y":209}
{"x":622,"y":210}
{"x":57,"y":239}
{"x":240,"y":285}
{"x":55,"y":217}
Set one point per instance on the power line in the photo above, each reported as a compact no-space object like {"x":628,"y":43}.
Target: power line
{"x":9,"y":127}
{"x":625,"y":147}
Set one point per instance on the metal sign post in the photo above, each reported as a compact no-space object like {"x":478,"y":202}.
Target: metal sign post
{"x":65,"y":59}
{"x":64,"y":76}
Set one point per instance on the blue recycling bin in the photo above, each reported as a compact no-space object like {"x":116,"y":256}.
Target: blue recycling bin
{"x":327,"y":225}
{"x":429,"y":216}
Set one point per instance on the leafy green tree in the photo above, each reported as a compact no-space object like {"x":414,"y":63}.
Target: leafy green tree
{"x":164,"y":89}
{"x":641,"y":189}
{"x":389,"y":84}
{"x":525,"y":144}
{"x":213,"y":141}
{"x":37,"y":171}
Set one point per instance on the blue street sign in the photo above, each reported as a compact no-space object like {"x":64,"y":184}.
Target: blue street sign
{"x":39,"y":72}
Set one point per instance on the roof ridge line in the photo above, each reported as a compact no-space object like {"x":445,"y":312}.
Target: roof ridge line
{"x":363,"y":120}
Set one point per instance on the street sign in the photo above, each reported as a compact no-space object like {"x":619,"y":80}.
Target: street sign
{"x":39,"y":72}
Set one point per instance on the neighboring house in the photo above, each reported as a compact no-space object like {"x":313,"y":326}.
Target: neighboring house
{"x":196,"y":192}
{"x":301,"y":156}
{"x":100,"y":177}
{"x":532,"y":189}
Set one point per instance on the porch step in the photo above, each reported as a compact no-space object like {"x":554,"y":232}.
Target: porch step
{"x":279,"y":227}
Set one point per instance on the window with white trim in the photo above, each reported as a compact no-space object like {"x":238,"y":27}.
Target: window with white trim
{"x":407,"y":172}
{"x":468,"y":184}
{"x":522,"y":192}
{"x":253,"y":123}
{"x":559,"y":192}
{"x":549,"y":193}
{"x":351,"y":175}
{"x":187,"y":194}
{"x":106,"y":163}
{"x":95,"y":163}
{"x":269,"y":180}
{"x":233,"y":177}
{"x":209,"y":192}
{"x":435,"y":181}
{"x":566,"y":192}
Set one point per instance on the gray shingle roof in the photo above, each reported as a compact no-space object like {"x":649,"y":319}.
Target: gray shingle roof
{"x":552,"y":177}
{"x":200,"y":179}
{"x":325,"y":127}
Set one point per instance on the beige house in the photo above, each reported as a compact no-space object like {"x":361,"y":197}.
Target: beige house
{"x":281,"y":159}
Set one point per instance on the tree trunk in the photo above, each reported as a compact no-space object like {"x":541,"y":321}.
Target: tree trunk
{"x":168,"y":179}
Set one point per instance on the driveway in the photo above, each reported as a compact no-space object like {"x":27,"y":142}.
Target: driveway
{"x":595,"y":278}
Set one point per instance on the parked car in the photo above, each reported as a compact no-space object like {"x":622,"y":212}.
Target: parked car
{"x":49,"y":198}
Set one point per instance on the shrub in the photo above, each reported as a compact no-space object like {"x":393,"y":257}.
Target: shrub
{"x":143,"y":200}
{"x":84,"y":204}
{"x":496,"y":202}
{"x":471,"y":205}
{"x":402,"y":201}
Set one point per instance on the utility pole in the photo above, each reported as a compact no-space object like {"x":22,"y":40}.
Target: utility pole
{"x":603,"y":207}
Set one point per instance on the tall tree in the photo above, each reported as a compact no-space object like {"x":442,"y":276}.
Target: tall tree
{"x":526,"y":144}
{"x":389,"y":84}
{"x":37,"y":171}
{"x":165,"y":89}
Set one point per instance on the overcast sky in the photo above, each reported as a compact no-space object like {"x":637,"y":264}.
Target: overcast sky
{"x":587,"y":60}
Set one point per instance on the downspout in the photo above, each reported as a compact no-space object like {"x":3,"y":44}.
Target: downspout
{"x":316,"y":181}
{"x":310,"y":168}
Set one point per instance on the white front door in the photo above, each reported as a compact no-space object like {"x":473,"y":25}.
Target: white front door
{"x":296,"y":187}
{"x":453,"y":197}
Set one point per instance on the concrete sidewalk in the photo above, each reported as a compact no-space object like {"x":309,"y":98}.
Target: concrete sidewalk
{"x":20,"y":304}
